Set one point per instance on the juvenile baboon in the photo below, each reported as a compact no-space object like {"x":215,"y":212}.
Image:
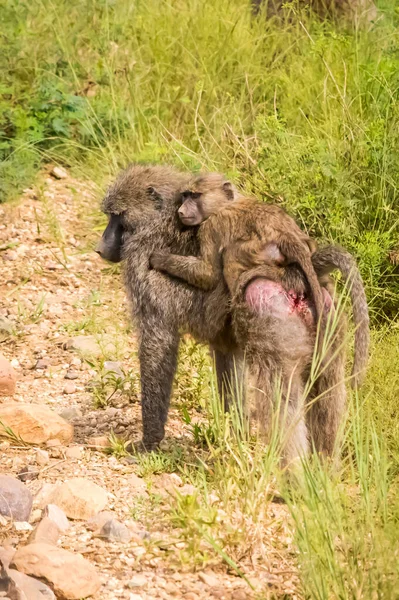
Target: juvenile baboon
{"x":238,"y":233}
{"x":274,"y":324}
{"x":142,"y":208}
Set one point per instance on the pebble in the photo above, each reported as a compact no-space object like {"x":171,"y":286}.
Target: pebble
{"x":71,"y":413}
{"x":8,"y":377}
{"x":28,"y":473}
{"x":46,"y":531}
{"x":41,"y":364}
{"x":42,"y":457}
{"x":15,"y":499}
{"x":239,"y":595}
{"x":115,"y":531}
{"x":10,"y":255}
{"x":209,"y":579}
{"x":98,"y":521}
{"x":59,"y":173}
{"x":74,"y":452}
{"x":71,"y":375}
{"x":22,"y":526}
{"x":137,"y":581}
{"x":69,"y":388}
{"x":55,"y":514}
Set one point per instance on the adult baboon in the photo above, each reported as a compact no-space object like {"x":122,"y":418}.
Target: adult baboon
{"x":142,"y":208}
{"x":274,"y":324}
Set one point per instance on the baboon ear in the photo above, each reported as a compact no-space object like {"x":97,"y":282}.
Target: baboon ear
{"x":155,"y":196}
{"x":229,"y":190}
{"x":312,"y":244}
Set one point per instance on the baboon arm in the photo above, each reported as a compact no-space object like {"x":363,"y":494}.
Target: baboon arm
{"x":191,"y":269}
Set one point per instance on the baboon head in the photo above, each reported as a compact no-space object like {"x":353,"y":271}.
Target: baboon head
{"x":205,"y":196}
{"x":140,"y":192}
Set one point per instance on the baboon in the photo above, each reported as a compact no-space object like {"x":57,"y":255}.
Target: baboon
{"x":142,"y":208}
{"x":244,"y":231}
{"x":245,"y":242}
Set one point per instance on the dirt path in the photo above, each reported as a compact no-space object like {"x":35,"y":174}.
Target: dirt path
{"x":54,"y":288}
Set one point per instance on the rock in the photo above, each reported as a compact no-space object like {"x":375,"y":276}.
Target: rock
{"x":15,"y":499}
{"x":135,"y":597}
{"x":239,"y":595}
{"x":137,"y":483}
{"x":10,"y":255}
{"x":28,"y":473}
{"x":71,"y":413}
{"x":59,"y":173}
{"x":46,"y":531}
{"x":6,"y":555}
{"x":22,"y":526}
{"x":98,"y":521}
{"x":43,"y":495}
{"x":23,"y":587}
{"x":71,"y":375}
{"x":42,"y":364}
{"x":53,"y":443}
{"x":99,"y":442}
{"x":113,"y":367}
{"x":35,"y":423}
{"x":74,"y":452}
{"x":70,"y":575}
{"x":35,"y":515}
{"x":8,"y":378}
{"x":80,"y":498}
{"x":42,"y":457}
{"x":6,"y":329}
{"x":89,"y":345}
{"x":57,"y":516}
{"x":69,"y":388}
{"x":137,"y":581}
{"x":209,"y":579}
{"x":115,"y":531}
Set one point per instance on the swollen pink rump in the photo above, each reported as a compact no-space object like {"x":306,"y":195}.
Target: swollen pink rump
{"x":267,"y":297}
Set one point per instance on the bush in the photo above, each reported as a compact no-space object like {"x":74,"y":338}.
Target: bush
{"x":303,"y":113}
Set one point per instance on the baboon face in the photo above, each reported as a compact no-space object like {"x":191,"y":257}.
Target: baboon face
{"x":206,"y":195}
{"x":139,"y":193}
{"x":110,"y":245}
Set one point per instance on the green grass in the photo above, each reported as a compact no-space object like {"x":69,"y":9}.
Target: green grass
{"x":344,"y":521}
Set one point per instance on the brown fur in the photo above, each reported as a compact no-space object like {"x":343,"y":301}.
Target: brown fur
{"x":239,"y":229}
{"x":275,"y":349}
{"x":145,"y":200}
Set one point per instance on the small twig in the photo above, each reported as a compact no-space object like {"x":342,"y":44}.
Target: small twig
{"x":52,"y":466}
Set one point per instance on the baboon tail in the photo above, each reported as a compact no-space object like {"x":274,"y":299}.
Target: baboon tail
{"x":326,"y":260}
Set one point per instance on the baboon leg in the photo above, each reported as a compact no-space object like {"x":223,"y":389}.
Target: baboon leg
{"x":231,"y":377}
{"x":158,"y":360}
{"x":290,"y":420}
{"x":294,"y":430}
{"x":327,"y":406}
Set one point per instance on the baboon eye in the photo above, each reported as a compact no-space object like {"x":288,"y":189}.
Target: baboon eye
{"x":155,"y":196}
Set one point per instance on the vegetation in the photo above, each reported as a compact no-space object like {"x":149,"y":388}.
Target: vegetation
{"x":305,"y":114}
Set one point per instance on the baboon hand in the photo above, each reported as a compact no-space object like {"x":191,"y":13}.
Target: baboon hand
{"x":158,"y":260}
